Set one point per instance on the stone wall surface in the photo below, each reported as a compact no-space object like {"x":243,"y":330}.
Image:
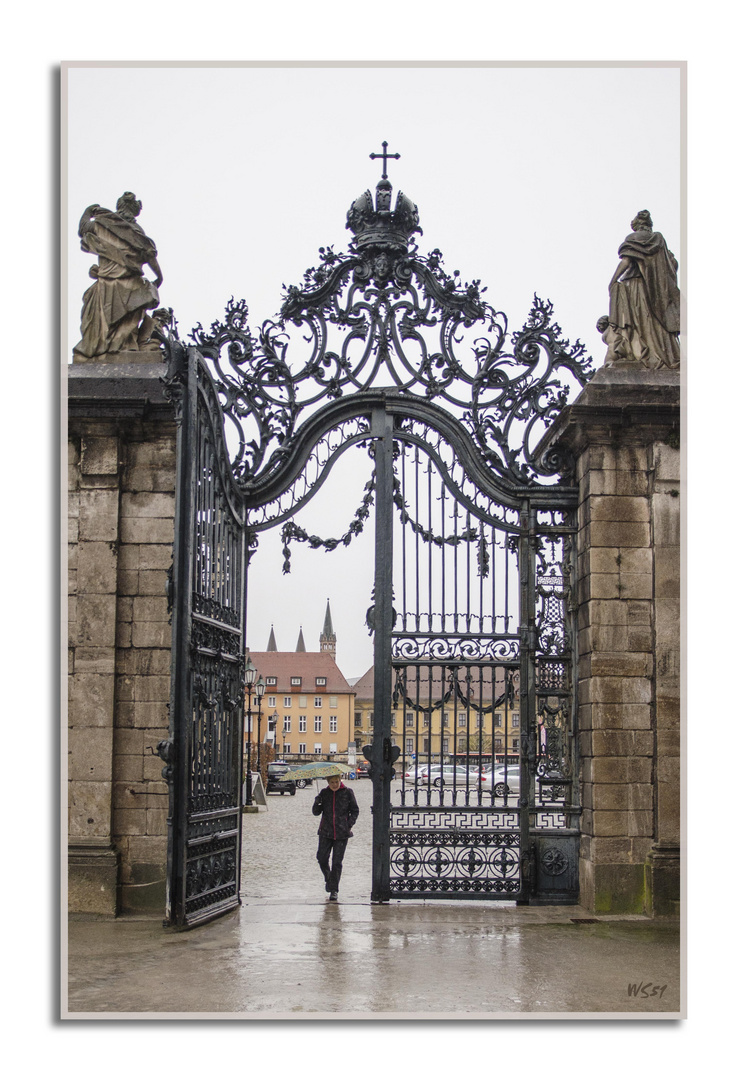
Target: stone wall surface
{"x":623,"y":433}
{"x":121,"y":528}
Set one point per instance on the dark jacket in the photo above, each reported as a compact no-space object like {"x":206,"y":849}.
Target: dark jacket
{"x":339,"y":811}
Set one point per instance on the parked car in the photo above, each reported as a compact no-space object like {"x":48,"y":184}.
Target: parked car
{"x":414,"y":774}
{"x":450,"y":776}
{"x":500,"y":781}
{"x":363,"y":771}
{"x":278,"y":779}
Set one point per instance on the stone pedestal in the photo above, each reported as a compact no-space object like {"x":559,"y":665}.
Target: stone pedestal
{"x":623,"y":433}
{"x":121,"y":436}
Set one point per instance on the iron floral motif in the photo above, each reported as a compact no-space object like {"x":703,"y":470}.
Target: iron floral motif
{"x":384,"y":315}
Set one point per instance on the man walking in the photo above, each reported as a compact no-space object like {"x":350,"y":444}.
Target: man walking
{"x":339,"y":809}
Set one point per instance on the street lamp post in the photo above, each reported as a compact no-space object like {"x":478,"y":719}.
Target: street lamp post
{"x":274,"y":728}
{"x":259,"y":691}
{"x":250,"y":675}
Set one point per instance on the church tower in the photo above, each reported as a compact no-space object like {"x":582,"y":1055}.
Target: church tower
{"x":328,"y":639}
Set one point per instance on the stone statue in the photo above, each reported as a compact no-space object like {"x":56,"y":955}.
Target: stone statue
{"x":115,"y":308}
{"x":644,"y":320}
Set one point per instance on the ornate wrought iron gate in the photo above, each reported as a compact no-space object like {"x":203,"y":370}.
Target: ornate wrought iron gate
{"x":203,"y":754}
{"x":473,"y":578}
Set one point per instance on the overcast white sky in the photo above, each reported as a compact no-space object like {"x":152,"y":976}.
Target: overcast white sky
{"x":518,"y":174}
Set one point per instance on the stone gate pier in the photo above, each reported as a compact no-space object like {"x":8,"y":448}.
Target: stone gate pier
{"x":623,"y":431}
{"x":121,"y":444}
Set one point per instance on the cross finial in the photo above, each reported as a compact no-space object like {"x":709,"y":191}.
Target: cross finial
{"x":384,"y":156}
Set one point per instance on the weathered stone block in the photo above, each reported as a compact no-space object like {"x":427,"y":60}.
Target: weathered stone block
{"x":619,"y":770}
{"x":636,"y":586}
{"x":90,"y":754}
{"x":599,"y":689}
{"x":99,"y":514}
{"x":150,"y":609}
{"x":156,"y":822}
{"x":638,"y":612}
{"x":147,"y":504}
{"x":666,"y":462}
{"x":601,"y":587}
{"x":99,"y":456}
{"x":147,"y":530}
{"x":152,"y":688}
{"x":612,"y":889}
{"x":89,"y":809}
{"x":622,"y":796}
{"x":621,"y":665}
{"x":665,"y":520}
{"x":148,"y":714}
{"x":96,"y":618}
{"x":91,"y":659}
{"x":124,"y":635}
{"x":152,"y":583}
{"x":128,"y":796}
{"x":159,"y":453}
{"x":92,"y":880}
{"x":618,"y":508}
{"x":667,"y":573}
{"x":155,"y":635}
{"x":154,"y":556}
{"x":610,"y":823}
{"x":148,"y":478}
{"x":129,"y":822}
{"x":607,"y":612}
{"x":127,"y":582}
{"x":622,"y":744}
{"x":619,"y":534}
{"x":97,"y":567}
{"x":639,"y":638}
{"x":91,"y":700}
{"x":129,"y":556}
{"x":605,"y":716}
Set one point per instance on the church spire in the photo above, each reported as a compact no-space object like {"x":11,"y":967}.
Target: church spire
{"x":328,"y":638}
{"x":300,"y":646}
{"x":272,"y":647}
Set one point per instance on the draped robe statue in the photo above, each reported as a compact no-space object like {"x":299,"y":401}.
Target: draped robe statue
{"x":115,"y":315}
{"x":643,"y":326}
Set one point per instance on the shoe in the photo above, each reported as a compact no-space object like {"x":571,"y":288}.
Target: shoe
{"x":333,"y":896}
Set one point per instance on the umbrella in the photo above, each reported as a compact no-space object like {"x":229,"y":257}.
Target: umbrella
{"x":318,"y":770}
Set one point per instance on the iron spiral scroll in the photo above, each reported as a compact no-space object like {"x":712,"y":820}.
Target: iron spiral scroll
{"x":384,"y":315}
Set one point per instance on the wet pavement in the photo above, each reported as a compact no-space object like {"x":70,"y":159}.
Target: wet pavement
{"x":288,"y":953}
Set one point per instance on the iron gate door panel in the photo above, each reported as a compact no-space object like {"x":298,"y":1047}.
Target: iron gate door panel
{"x":481,"y":676}
{"x":207,"y":693}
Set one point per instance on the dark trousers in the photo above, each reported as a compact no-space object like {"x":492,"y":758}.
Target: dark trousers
{"x":331,"y":873}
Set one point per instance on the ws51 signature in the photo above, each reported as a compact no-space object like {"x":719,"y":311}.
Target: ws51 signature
{"x":646,"y":990}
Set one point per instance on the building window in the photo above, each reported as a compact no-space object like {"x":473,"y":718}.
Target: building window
{"x":271,"y":702}
{"x":409,"y":746}
{"x":333,"y":723}
{"x":333,"y":701}
{"x":427,"y":745}
{"x":371,"y":717}
{"x":302,"y":747}
{"x":461,"y":740}
{"x":462,"y":719}
{"x":287,"y":702}
{"x":333,"y":748}
{"x":318,"y":703}
{"x":479,"y":722}
{"x":515,"y":719}
{"x":271,"y":680}
{"x":302,"y":723}
{"x":318,"y":748}
{"x":499,"y":744}
{"x":445,"y":746}
{"x":357,"y":719}
{"x":358,"y":744}
{"x":515,"y":744}
{"x":409,"y":719}
{"x":286,"y":723}
{"x":321,"y":680}
{"x":427,"y":721}
{"x":295,"y":680}
{"x":318,"y":723}
{"x":286,"y":748}
{"x":302,"y":701}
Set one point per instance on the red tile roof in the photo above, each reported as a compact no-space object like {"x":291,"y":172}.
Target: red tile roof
{"x":307,"y":666}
